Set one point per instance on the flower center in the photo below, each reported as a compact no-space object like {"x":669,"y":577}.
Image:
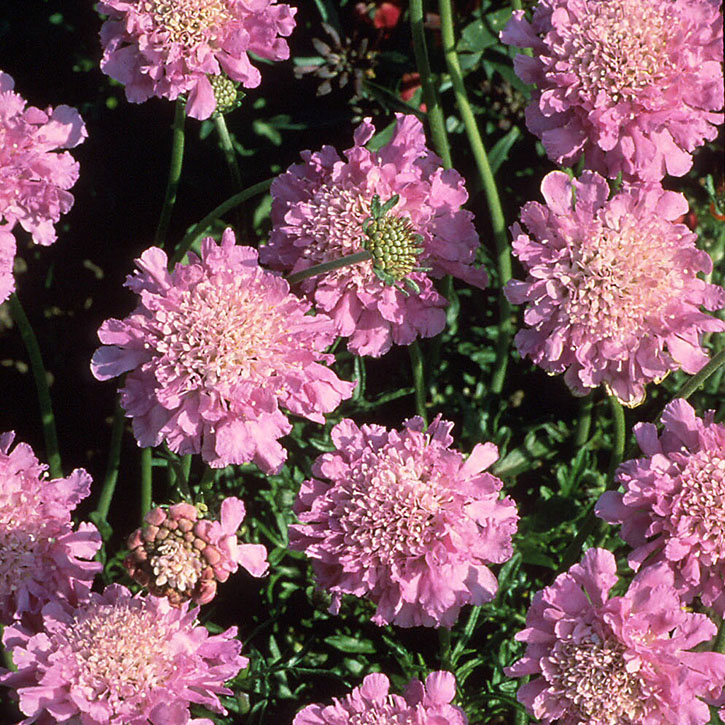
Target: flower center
{"x":381,"y":714}
{"x":394,"y":245}
{"x":188,"y":22}
{"x":176,"y":563}
{"x":225,"y":92}
{"x":593,"y":678}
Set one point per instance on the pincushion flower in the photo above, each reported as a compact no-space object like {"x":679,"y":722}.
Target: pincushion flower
{"x":119,"y":659}
{"x":625,"y":660}
{"x":612,"y":288}
{"x":405,"y":522}
{"x":214,"y":348}
{"x":325,"y":209}
{"x":165,"y":49}
{"x":673,"y":506}
{"x":371,"y":704}
{"x":177,"y":554}
{"x":634,"y":85}
{"x":40,"y":553}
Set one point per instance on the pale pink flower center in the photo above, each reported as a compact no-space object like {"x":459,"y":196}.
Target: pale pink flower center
{"x":379,"y":714}
{"x":188,"y":22}
{"x":176,"y":564}
{"x":18,"y":558}
{"x":593,"y":677}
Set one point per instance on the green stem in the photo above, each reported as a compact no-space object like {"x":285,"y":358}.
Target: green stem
{"x":172,"y":185}
{"x":436,"y":120}
{"x":699,"y":378}
{"x":521,"y":718}
{"x":40,"y":377}
{"x":719,"y":645}
{"x":416,"y":361}
{"x":584,"y":422}
{"x":195,"y":232}
{"x":620,"y":434}
{"x":146,"y":481}
{"x":313,"y":271}
{"x":229,"y":153}
{"x":114,"y":458}
{"x":503,"y":250}
{"x":444,"y":647}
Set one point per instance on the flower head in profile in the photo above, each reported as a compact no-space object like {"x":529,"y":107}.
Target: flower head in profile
{"x":612,"y":289}
{"x":165,"y":49}
{"x":122,"y":660}
{"x":213,"y":350}
{"x":673,"y":505}
{"x":400,"y":205}
{"x":40,"y":553}
{"x":405,"y":521}
{"x":371,"y":704}
{"x":177,"y":554}
{"x":624,"y":660}
{"x":634,"y":85}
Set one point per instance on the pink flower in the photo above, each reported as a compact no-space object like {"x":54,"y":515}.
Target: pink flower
{"x":121,"y":660}
{"x":178,"y":555}
{"x":613,"y":292}
{"x":164,"y":49}
{"x":370,"y":703}
{"x":673,"y":505}
{"x":405,"y":522}
{"x":40,"y":554}
{"x":214,"y":348}
{"x":631,"y":84}
{"x":7,"y":257}
{"x":624,"y":660}
{"x":324,"y":209}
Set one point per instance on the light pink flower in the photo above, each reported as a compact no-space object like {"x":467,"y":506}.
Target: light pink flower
{"x":321,"y":208}
{"x":624,"y":660}
{"x":178,"y":555}
{"x":7,"y":257}
{"x":631,"y":84}
{"x":612,"y":288}
{"x":673,"y":505}
{"x":371,"y":704}
{"x":405,"y":522}
{"x":214,"y":348}
{"x":40,"y":553}
{"x":123,"y":660}
{"x":164,"y":49}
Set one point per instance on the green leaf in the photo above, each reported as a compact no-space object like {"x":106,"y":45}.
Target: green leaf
{"x":500,"y":151}
{"x":476,"y":37}
{"x":350,"y":645}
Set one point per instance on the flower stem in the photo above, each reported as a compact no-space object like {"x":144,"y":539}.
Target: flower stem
{"x":584,"y":422}
{"x":229,"y":154}
{"x":172,"y":185}
{"x":146,"y":480}
{"x":719,"y":645}
{"x":620,"y":435}
{"x":416,"y":361}
{"x":40,"y":377}
{"x":114,"y":457}
{"x":313,"y":271}
{"x":503,"y":250}
{"x":444,"y":647}
{"x":436,"y":120}
{"x":700,"y":377}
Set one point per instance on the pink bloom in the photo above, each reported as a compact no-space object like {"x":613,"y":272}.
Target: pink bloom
{"x":178,"y":555}
{"x":405,"y":522}
{"x":613,"y":292}
{"x":7,"y":256}
{"x":321,"y":209}
{"x":214,"y":348}
{"x":40,"y":554}
{"x":623,"y":660}
{"x":121,"y":660}
{"x":164,"y":49}
{"x":673,"y":505}
{"x":370,"y":703}
{"x":631,"y":84}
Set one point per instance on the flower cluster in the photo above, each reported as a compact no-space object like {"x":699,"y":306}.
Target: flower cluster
{"x":180,"y":556}
{"x":612,"y":288}
{"x":213,"y":349}
{"x":634,"y":85}
{"x":165,"y":49}
{"x":622,"y":660}
{"x":405,"y":522}
{"x":323,"y":210}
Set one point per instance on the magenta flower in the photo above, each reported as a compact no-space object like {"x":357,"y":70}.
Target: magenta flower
{"x":673,"y":506}
{"x":631,"y":84}
{"x":40,"y":553}
{"x":624,"y":660}
{"x":178,"y":555}
{"x":123,"y":660}
{"x":612,"y":286}
{"x":370,"y":703}
{"x":325,"y":209}
{"x":165,"y":49}
{"x":405,"y":522}
{"x":214,"y":348}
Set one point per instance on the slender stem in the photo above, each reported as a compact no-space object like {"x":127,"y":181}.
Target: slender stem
{"x":172,"y":185}
{"x":699,"y":378}
{"x":193,"y":234}
{"x":40,"y":377}
{"x":146,"y":481}
{"x":719,"y":645}
{"x":229,"y":153}
{"x":114,"y":457}
{"x":503,"y":250}
{"x":620,"y":435}
{"x":584,"y":422}
{"x":444,"y":647}
{"x":436,"y":120}
{"x":313,"y":271}
{"x":416,"y":361}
